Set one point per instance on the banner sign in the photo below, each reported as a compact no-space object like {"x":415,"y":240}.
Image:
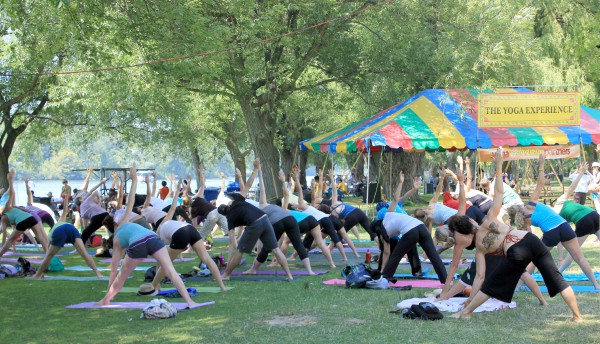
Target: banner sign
{"x":524,"y":110}
{"x":529,"y":153}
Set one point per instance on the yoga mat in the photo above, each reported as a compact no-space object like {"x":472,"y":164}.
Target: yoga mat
{"x":150,"y":260}
{"x":576,"y":288}
{"x":239,"y":278}
{"x":28,"y":254}
{"x":198,"y":289}
{"x":72,"y":278}
{"x":87,"y":268}
{"x":15,"y":260}
{"x":280,"y":272}
{"x":373,"y":250}
{"x":135,"y":305}
{"x":568,"y":277}
{"x":413,"y":283}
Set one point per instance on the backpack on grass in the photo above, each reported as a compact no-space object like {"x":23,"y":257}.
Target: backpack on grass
{"x":55,"y":265}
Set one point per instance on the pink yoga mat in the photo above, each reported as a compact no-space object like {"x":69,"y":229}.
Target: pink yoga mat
{"x":280,"y":272}
{"x":135,"y":305}
{"x":150,"y":260}
{"x":15,"y":260}
{"x":403,"y":283}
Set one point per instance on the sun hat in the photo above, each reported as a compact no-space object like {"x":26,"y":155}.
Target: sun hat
{"x":147,"y":289}
{"x":596,"y":164}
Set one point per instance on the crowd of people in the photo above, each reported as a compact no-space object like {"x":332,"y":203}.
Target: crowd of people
{"x":493,"y":221}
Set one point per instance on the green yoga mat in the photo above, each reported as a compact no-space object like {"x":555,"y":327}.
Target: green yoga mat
{"x":198,"y":289}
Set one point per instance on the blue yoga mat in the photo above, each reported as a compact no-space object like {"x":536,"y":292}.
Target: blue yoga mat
{"x":576,"y":288}
{"x":568,"y":277}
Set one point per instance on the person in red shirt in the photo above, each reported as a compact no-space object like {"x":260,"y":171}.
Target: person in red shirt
{"x":164,"y":191}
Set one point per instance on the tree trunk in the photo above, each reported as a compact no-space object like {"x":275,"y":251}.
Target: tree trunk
{"x":238,"y":157}
{"x":196,"y":164}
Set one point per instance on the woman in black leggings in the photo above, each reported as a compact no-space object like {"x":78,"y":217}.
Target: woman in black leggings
{"x":283,"y":222}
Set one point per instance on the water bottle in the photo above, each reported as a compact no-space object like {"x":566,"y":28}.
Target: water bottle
{"x":222,"y":260}
{"x":368,"y":257}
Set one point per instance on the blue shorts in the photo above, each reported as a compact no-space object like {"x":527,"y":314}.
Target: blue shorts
{"x":145,"y":247}
{"x":556,"y":235}
{"x":64,"y":234}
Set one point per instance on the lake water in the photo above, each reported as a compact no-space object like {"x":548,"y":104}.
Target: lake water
{"x":42,"y":187}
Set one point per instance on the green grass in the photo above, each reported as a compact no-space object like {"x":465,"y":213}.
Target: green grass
{"x":33,"y":312}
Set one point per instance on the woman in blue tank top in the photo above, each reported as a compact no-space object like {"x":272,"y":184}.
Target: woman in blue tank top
{"x":137,"y":243}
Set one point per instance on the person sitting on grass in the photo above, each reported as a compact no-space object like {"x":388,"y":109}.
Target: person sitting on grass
{"x":22,"y":220}
{"x":519,"y":248}
{"x":178,"y":235}
{"x":137,"y":242}
{"x":65,"y":233}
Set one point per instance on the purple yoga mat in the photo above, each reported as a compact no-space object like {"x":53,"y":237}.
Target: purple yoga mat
{"x":150,"y":260}
{"x":28,"y":254}
{"x":15,"y":260}
{"x":413,"y":283}
{"x":281,"y":272}
{"x":348,"y":250}
{"x":135,"y":305}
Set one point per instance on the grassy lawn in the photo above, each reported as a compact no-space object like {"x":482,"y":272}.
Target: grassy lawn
{"x":303,"y":311}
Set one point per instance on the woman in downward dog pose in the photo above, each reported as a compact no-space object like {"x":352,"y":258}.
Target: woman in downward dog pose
{"x":65,"y":233}
{"x":519,"y":249}
{"x":137,"y":243}
{"x":178,"y":235}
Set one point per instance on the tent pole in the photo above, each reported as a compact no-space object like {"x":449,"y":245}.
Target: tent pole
{"x":368,"y":176}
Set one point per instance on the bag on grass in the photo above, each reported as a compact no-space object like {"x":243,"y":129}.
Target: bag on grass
{"x":95,"y":240}
{"x":357,"y":276}
{"x":55,"y":265}
{"x":8,"y":270}
{"x":149,"y":274}
{"x":159,"y":309}
{"x":25,"y":267}
{"x":423,"y":311}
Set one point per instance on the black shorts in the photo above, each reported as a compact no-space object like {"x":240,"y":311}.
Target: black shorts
{"x":491,"y":263}
{"x":558,"y":234}
{"x":48,"y":219}
{"x":307,"y":224}
{"x":184,"y":236}
{"x":26,"y":224}
{"x":145,"y":247}
{"x":502,"y":282}
{"x":588,"y":224}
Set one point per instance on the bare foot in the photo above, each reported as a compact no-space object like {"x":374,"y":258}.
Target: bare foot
{"x":103,"y":302}
{"x":36,"y":276}
{"x":460,"y":315}
{"x":290,"y":278}
{"x":332,"y":266}
{"x":312,"y":273}
{"x":357,"y":255}
{"x":543,"y":303}
{"x":225,"y":278}
{"x":100,"y":276}
{"x":273,"y":265}
{"x":223,"y":289}
{"x":291,"y":259}
{"x":576,"y":319}
{"x":249,"y":272}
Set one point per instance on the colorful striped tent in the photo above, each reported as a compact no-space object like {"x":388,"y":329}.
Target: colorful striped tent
{"x":438,"y":119}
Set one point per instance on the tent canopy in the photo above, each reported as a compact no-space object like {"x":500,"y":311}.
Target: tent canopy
{"x":437,"y":119}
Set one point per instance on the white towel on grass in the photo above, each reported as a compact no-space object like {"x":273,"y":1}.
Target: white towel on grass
{"x":454,"y":304}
